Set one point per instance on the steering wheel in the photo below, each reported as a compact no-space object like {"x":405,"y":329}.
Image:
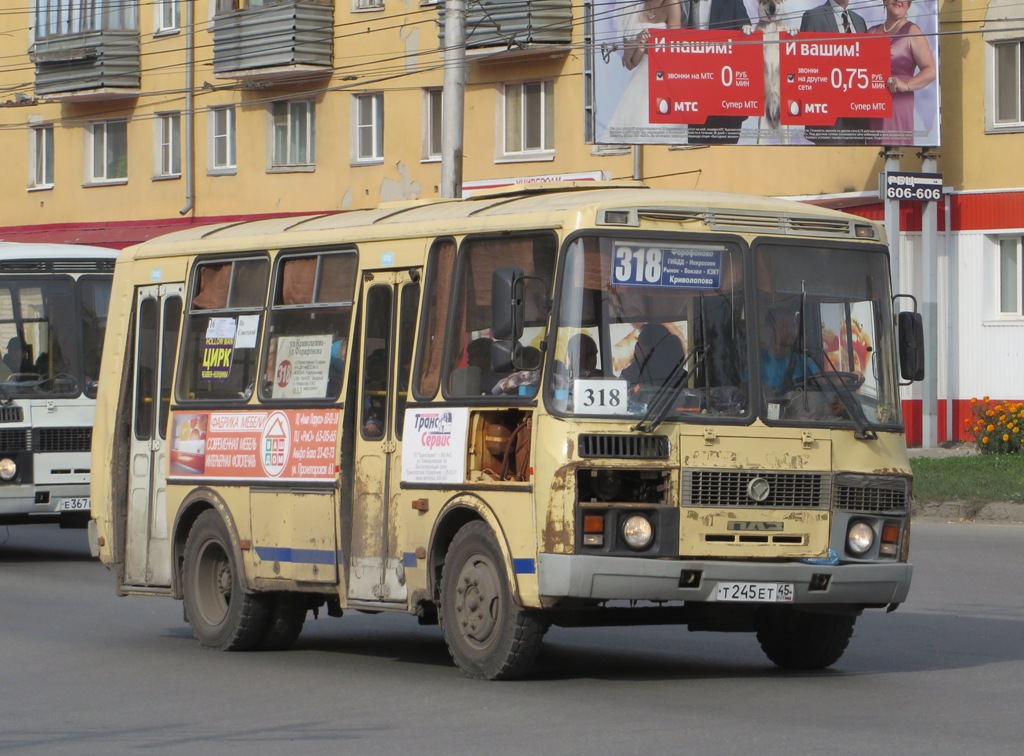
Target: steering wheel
{"x":828,"y":380}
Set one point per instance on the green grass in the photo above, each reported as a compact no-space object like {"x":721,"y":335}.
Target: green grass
{"x":980,"y":478}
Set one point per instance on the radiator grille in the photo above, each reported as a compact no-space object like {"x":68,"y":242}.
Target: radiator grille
{"x":13,"y":439}
{"x":623,"y":447}
{"x":12,"y":413}
{"x":728,"y":488}
{"x":884,"y":495}
{"x":63,"y":439}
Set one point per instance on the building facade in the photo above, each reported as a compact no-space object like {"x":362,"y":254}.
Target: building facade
{"x":124,"y":119}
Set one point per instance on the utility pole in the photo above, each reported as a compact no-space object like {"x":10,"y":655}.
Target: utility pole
{"x":453,"y":97}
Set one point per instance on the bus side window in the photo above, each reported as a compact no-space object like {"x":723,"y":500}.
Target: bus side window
{"x":480,"y":256}
{"x":440,"y":272}
{"x":308,"y":325}
{"x":222,"y":329}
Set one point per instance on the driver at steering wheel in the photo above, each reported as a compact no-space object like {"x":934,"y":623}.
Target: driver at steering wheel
{"x":783,"y":366}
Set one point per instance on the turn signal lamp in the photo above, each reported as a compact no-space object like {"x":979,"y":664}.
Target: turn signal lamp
{"x":890,"y":539}
{"x":593,"y":530}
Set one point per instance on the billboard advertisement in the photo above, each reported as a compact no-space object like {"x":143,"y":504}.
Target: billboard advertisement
{"x":778,"y":72}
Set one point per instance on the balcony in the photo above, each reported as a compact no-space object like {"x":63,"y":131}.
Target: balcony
{"x":95,"y":64}
{"x":279,"y":41}
{"x":505,"y":29}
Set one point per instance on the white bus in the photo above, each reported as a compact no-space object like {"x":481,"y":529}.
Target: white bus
{"x":53,"y":312}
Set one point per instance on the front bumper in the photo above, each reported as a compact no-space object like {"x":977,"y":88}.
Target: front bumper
{"x":614,"y":578}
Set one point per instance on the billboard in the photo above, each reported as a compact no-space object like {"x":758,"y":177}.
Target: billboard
{"x":793,"y":79}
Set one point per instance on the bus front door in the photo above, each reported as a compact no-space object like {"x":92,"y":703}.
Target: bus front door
{"x":390,"y":301}
{"x":147,"y":548}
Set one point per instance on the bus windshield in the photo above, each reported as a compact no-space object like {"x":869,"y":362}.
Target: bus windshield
{"x":654,"y":330}
{"x":51,"y":335}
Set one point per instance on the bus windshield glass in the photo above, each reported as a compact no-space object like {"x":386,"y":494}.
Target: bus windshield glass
{"x":654,"y":330}
{"x":51,"y":332}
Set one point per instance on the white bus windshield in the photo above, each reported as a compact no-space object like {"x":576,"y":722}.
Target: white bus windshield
{"x":51,"y":335}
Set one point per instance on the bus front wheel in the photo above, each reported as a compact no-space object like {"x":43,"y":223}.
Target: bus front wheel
{"x":488,"y":636}
{"x":221,"y":614}
{"x":800,"y":640}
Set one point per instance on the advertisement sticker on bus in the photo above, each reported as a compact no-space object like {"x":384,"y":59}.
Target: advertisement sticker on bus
{"x":435,"y":443}
{"x":218,"y":349}
{"x":281,"y":445}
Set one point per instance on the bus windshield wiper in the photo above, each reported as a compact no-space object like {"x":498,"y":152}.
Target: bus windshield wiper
{"x":665,"y":395}
{"x":834,"y":379}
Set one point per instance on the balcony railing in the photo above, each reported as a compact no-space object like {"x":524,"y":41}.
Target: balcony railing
{"x":285,"y":39}
{"x":88,"y":64}
{"x":515,"y":26}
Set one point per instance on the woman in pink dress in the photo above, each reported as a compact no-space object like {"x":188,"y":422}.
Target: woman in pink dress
{"x":913,"y":68}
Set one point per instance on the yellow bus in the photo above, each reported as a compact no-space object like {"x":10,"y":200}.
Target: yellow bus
{"x":563,"y":404}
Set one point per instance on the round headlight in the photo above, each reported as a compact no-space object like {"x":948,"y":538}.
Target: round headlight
{"x":860,"y":538}
{"x":637,"y":532}
{"x":8,"y":469}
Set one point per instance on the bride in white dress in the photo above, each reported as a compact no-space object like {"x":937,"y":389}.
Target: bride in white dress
{"x":633,"y":107}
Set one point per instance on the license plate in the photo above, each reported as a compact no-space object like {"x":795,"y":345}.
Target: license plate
{"x":77,"y":504}
{"x":755,"y":592}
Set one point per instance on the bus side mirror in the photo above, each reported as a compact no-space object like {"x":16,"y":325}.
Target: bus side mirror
{"x":504,"y":355}
{"x":506,"y":304}
{"x":910,"y":336}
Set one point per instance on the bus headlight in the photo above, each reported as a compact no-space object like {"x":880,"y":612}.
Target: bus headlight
{"x":637,"y":532}
{"x":8,"y":469}
{"x":859,"y":538}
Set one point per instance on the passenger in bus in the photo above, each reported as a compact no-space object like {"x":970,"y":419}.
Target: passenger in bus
{"x":582,"y":354}
{"x":374,"y":394}
{"x":478,"y":354}
{"x":782,"y":364}
{"x":656,"y":354}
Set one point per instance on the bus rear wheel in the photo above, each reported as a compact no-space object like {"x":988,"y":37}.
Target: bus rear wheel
{"x":488,"y":636}
{"x":801,"y":640}
{"x":221,"y":614}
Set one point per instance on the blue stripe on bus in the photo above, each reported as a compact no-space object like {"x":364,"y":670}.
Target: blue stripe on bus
{"x":525,"y":566}
{"x":298,"y":556}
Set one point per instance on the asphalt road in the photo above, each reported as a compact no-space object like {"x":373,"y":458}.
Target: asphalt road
{"x":85,"y":672}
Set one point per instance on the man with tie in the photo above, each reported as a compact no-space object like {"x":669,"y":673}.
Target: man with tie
{"x":833,"y":17}
{"x":717,"y":15}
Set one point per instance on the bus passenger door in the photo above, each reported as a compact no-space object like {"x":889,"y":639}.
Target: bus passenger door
{"x":390,"y":300}
{"x":147,"y":548}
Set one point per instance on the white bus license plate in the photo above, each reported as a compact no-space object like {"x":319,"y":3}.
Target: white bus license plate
{"x":78,"y":504}
{"x":756,"y":592}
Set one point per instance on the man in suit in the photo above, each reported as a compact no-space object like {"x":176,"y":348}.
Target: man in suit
{"x":717,"y":15}
{"x":833,"y":17}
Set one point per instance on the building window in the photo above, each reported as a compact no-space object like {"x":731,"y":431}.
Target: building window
{"x":1009,"y":69}
{"x":294,"y":133}
{"x":56,"y":18}
{"x":42,"y":157}
{"x":168,"y":15}
{"x":168,"y":137}
{"x":432,"y":105}
{"x":222,"y":138}
{"x":530,"y":117}
{"x":108,"y":151}
{"x":369,"y":128}
{"x":1011,"y":277}
{"x":367,"y":4}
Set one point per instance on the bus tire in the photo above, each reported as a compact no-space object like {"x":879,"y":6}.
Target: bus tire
{"x":488,"y":636}
{"x":800,"y":640}
{"x":221,"y":614}
{"x":284,"y":624}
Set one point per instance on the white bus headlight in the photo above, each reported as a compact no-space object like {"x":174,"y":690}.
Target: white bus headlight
{"x":8,"y":469}
{"x":637,"y":532}
{"x":860,"y":538}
